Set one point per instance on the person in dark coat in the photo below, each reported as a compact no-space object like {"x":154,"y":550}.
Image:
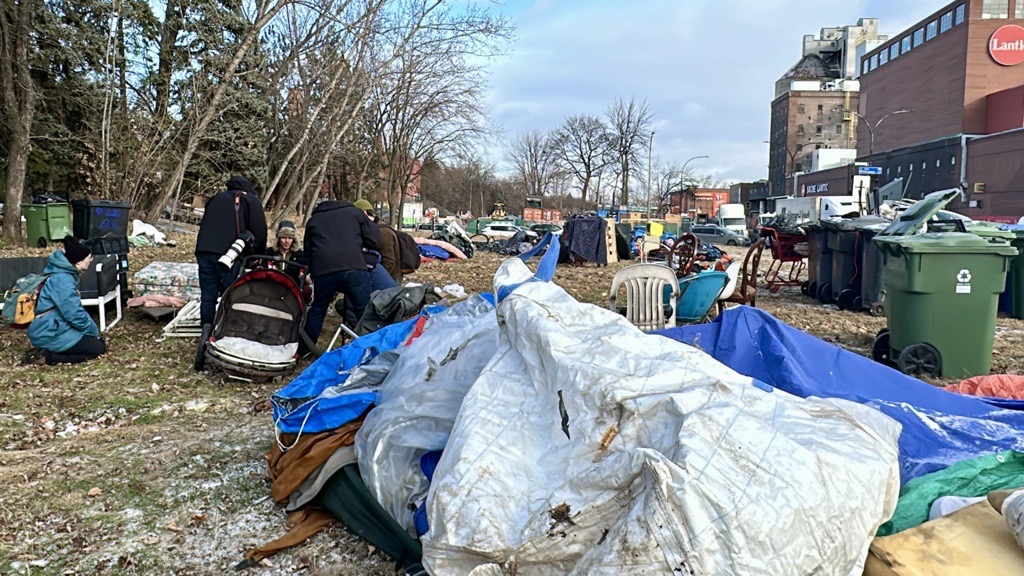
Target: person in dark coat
{"x":390,"y":248}
{"x":338,"y":236}
{"x":231,"y":214}
{"x":62,"y":331}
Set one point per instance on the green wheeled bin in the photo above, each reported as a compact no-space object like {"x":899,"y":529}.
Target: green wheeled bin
{"x":942,"y":290}
{"x":46,"y":223}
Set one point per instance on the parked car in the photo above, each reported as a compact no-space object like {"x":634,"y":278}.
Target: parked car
{"x":714,"y":234}
{"x":494,"y":230}
{"x":431,"y":227}
{"x":545,"y":228}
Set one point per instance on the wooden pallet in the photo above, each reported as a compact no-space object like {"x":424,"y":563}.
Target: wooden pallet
{"x":611,"y":246}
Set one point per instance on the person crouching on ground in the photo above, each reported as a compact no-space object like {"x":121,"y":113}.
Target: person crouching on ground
{"x":62,"y":331}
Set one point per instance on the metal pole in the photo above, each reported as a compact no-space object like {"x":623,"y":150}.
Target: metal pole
{"x":650,"y":153}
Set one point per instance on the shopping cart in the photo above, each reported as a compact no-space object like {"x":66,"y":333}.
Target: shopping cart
{"x":787,"y":264}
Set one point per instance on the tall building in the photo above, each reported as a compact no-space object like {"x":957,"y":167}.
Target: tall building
{"x":942,"y":105}
{"x":808,"y":112}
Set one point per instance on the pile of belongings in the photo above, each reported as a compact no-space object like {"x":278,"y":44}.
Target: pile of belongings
{"x":527,"y":432}
{"x":583,"y":240}
{"x":434,"y":249}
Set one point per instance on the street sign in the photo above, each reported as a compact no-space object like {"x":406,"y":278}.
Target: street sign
{"x":869,"y":170}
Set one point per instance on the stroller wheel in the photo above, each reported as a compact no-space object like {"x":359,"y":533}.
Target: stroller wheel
{"x":200,"y":361}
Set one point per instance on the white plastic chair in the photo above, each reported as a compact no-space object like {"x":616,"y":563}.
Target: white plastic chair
{"x":645,"y":287}
{"x":106,"y":295}
{"x":733,"y":272}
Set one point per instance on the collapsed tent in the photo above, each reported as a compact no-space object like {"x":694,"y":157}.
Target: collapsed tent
{"x":588,"y":447}
{"x":940,"y":428}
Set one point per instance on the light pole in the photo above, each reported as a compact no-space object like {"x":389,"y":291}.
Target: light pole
{"x":650,"y":152}
{"x":871,"y":129}
{"x":682,"y":171}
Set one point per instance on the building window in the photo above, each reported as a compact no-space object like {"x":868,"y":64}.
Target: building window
{"x":910,"y":167}
{"x":995,"y":9}
{"x":938,"y":163}
{"x":821,"y":107}
{"x":946,"y":22}
{"x":931,"y":30}
{"x":799,"y":167}
{"x":918,"y":37}
{"x":799,"y":148}
{"x":952,"y":160}
{"x":883,"y":56}
{"x":924,"y":166}
{"x":839,"y":128}
{"x":817,"y":129}
{"x":1018,"y":12}
{"x":905,"y":43}
{"x":800,"y":109}
{"x":874,"y":61}
{"x":958,"y":19}
{"x":799,"y":128}
{"x":864,"y":66}
{"x":894,"y":51}
{"x":898,"y":168}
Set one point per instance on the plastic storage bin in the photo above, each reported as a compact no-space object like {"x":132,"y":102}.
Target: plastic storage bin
{"x":46,"y":223}
{"x":100,"y":218}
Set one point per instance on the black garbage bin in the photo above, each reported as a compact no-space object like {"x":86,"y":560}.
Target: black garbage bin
{"x":847,"y":244}
{"x":93,"y":219}
{"x":819,"y":262}
{"x":871,"y":283}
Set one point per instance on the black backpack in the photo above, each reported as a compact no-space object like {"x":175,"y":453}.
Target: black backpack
{"x":409,"y":251}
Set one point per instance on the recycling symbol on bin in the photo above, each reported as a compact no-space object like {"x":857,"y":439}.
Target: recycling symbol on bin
{"x":964,"y":276}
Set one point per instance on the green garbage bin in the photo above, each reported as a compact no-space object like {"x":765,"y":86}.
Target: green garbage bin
{"x":942,"y":291}
{"x":46,"y":223}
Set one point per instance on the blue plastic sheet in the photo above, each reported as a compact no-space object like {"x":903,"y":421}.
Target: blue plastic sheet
{"x":315,"y":401}
{"x":939,"y":428}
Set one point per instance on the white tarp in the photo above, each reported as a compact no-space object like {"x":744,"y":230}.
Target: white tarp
{"x":676,"y":464}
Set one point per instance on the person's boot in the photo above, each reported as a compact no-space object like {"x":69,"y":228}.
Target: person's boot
{"x":34,"y":357}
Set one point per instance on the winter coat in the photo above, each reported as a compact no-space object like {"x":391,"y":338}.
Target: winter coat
{"x":336,"y":235}
{"x":61,"y":320}
{"x":219,"y":228}
{"x":390,"y":252}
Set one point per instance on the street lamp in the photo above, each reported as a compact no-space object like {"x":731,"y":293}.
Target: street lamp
{"x":871,"y":129}
{"x":650,"y":152}
{"x":682,"y":171}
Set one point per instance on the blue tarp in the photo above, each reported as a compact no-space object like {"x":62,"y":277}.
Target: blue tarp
{"x":308,"y":404}
{"x":939,"y":428}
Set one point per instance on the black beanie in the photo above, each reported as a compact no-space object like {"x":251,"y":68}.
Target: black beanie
{"x":74,"y":251}
{"x":237,"y":182}
{"x":286,"y":229}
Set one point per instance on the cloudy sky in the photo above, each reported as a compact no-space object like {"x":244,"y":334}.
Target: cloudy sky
{"x":707,"y":68}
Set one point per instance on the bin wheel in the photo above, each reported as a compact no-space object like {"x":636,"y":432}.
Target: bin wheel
{"x":877,"y":309}
{"x":825,"y":293}
{"x":812,"y":289}
{"x":846,"y":298}
{"x":804,"y":287}
{"x":41,"y":242}
{"x":880,"y":350}
{"x":920,"y":359}
{"x":200,"y":360}
{"x":858,"y":304}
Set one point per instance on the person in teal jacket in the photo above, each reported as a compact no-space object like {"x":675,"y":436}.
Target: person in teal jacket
{"x":62,"y":331}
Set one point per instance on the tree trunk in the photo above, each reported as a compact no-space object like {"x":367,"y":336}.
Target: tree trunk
{"x":19,"y":102}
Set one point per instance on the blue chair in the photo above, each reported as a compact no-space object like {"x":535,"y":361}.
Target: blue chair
{"x":698,"y":293}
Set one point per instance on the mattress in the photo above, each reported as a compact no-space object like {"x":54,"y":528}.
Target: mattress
{"x":177,"y":279}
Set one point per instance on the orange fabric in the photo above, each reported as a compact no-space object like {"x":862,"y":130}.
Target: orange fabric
{"x":288,"y":470}
{"x":994,"y":386}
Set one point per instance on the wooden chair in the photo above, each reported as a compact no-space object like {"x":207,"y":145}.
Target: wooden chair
{"x":685,"y":252}
{"x":746,"y":288}
{"x":645,"y":288}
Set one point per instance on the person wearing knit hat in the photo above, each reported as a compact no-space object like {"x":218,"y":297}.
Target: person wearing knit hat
{"x":62,"y":331}
{"x":286,"y":248}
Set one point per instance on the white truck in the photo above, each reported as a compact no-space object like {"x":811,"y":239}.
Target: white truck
{"x":810,"y":209}
{"x":733,"y":217}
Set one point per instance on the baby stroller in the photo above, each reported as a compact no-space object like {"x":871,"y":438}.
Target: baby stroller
{"x":258,"y":325}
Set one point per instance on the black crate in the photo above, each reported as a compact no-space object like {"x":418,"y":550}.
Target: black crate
{"x":108,"y":245}
{"x":91,"y":282}
{"x":93,"y":219}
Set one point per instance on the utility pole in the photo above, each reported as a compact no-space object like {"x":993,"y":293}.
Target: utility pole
{"x":650,"y":152}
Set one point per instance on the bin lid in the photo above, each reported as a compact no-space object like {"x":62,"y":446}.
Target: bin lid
{"x":913,"y":218}
{"x":990,"y":230}
{"x":948,"y":243}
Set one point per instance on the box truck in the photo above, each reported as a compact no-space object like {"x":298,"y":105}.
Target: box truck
{"x":810,"y":209}
{"x":733,"y":217}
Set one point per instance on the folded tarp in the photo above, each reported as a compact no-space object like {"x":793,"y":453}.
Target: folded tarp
{"x":940,"y":428}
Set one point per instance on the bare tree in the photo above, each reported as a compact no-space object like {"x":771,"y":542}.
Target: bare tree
{"x":581,"y":144}
{"x":630,"y":126}
{"x":19,"y":102}
{"x":533,"y":155}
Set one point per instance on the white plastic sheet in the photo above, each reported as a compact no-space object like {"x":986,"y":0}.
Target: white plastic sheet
{"x":673,"y":464}
{"x":418,"y":403}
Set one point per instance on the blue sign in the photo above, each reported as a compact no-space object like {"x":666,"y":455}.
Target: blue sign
{"x":869,"y":170}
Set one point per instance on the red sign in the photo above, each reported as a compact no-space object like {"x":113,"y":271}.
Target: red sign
{"x":1006,"y":46}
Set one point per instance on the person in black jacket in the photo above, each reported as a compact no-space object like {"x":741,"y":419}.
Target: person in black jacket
{"x":337,"y":236}
{"x":233,"y":213}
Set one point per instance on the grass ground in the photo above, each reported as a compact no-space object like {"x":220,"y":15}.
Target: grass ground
{"x":134,"y":464}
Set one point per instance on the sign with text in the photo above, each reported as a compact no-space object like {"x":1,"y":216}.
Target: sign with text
{"x":1006,"y":45}
{"x":869,"y":170}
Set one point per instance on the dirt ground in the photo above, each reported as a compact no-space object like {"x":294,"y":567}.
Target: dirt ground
{"x":134,"y":464}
